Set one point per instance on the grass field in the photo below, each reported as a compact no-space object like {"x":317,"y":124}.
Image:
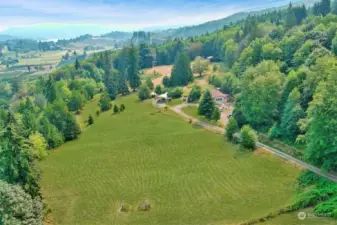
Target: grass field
{"x":49,"y":57}
{"x":189,"y":176}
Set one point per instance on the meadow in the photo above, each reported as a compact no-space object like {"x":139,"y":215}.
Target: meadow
{"x":188,"y":175}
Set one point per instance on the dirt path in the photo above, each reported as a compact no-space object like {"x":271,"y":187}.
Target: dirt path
{"x":330,"y":176}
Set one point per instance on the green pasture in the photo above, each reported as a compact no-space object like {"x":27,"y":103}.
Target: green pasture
{"x":188,"y":175}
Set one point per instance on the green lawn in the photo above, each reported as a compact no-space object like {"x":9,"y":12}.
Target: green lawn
{"x":193,"y":111}
{"x":174,"y":102}
{"x":190,"y":176}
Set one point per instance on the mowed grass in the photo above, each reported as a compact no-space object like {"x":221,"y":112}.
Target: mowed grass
{"x":189,"y":176}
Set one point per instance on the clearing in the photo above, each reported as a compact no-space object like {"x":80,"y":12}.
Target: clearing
{"x":162,"y":70}
{"x":189,"y":175}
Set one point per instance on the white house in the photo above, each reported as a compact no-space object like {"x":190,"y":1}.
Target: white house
{"x":219,"y":98}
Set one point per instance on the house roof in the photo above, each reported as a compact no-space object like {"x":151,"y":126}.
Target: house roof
{"x":217,"y":94}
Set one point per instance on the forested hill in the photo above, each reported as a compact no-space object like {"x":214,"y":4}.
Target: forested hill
{"x":211,"y":26}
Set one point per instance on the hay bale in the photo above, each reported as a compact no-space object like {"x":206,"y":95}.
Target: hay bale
{"x":144,"y":206}
{"x":125,"y":207}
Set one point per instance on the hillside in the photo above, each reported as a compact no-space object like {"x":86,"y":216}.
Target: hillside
{"x":211,"y":26}
{"x":188,"y":175}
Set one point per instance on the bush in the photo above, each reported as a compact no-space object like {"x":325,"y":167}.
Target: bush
{"x":144,"y":93}
{"x":231,"y":128}
{"x":116,"y":109}
{"x":158,"y":89}
{"x":195,"y":94}
{"x":166,"y":81}
{"x":149,"y":83}
{"x":215,"y":81}
{"x":248,"y":138}
{"x":90,"y":120}
{"x":98,"y":112}
{"x":104,"y":102}
{"x":122,"y":108}
{"x":176,"y":92}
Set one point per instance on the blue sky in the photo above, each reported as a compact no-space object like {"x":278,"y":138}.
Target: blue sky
{"x":124,"y":15}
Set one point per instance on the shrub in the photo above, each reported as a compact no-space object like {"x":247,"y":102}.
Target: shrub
{"x":149,"y":83}
{"x":195,"y":94}
{"x":231,"y":128}
{"x":166,"y":81}
{"x":122,"y":108}
{"x":104,"y":102}
{"x":176,"y":92}
{"x":90,"y":120}
{"x":158,"y":89}
{"x":248,"y":138}
{"x":98,"y":112}
{"x":116,"y":109}
{"x":144,"y":93}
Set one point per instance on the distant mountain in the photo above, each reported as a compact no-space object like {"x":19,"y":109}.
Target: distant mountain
{"x":118,"y":35}
{"x":55,"y":31}
{"x":214,"y":25}
{"x":4,"y":37}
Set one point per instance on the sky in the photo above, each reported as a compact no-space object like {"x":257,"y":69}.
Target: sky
{"x":123,"y":15}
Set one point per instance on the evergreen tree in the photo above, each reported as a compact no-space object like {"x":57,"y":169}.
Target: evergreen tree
{"x":133,"y":68}
{"x":145,"y":56}
{"x":206,"y":106}
{"x":325,"y":7}
{"x":77,"y":65}
{"x":111,"y":79}
{"x":216,"y":114}
{"x":334,"y":7}
{"x":17,"y":161}
{"x":123,"y":88}
{"x":166,"y":81}
{"x":300,"y":13}
{"x":50,"y":90}
{"x":181,"y":73}
{"x":291,"y":19}
{"x":52,"y":135}
{"x":231,"y":128}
